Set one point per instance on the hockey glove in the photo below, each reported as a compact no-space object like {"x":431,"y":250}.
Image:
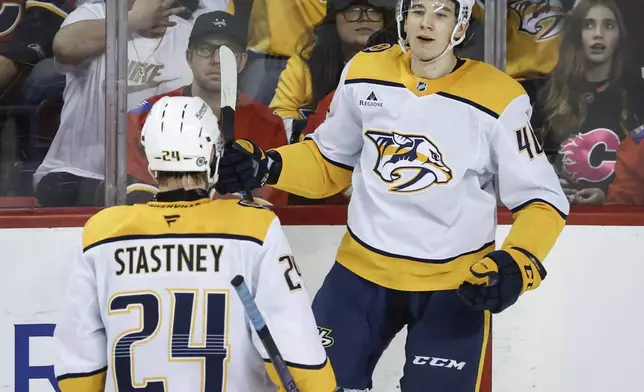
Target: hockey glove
{"x":509,"y":274}
{"x":244,"y":167}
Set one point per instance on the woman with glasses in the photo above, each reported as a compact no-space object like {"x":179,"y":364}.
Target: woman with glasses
{"x":315,"y":71}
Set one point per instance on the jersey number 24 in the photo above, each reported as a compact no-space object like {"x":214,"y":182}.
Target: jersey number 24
{"x":211,"y":354}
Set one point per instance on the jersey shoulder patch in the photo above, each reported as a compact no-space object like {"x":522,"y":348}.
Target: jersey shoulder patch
{"x":387,"y":59}
{"x":252,"y":204}
{"x":377,"y":48}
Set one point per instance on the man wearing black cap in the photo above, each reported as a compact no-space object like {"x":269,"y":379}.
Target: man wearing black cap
{"x":211,"y":31}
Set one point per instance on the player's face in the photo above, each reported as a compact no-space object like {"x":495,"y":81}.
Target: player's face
{"x":600,"y":34}
{"x":429,"y":25}
{"x":203,"y":59}
{"x":357,"y":23}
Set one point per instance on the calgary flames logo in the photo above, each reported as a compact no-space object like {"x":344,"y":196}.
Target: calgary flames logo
{"x":541,"y":18}
{"x":590,"y":157}
{"x":409,"y":163}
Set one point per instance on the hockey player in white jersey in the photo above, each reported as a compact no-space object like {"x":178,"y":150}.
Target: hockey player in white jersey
{"x":426,"y":140}
{"x":149,"y":304}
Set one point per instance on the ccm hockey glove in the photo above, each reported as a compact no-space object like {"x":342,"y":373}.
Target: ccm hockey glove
{"x":509,"y":274}
{"x":244,"y":167}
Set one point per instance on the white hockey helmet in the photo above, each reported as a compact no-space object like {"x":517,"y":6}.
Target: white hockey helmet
{"x":464,"y":14}
{"x":180,"y":134}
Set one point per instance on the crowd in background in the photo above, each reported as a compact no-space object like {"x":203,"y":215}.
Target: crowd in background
{"x":578,"y":60}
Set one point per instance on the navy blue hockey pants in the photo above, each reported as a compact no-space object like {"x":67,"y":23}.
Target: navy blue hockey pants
{"x":358,"y":319}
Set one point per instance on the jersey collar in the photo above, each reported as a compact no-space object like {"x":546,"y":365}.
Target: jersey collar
{"x":422,"y":87}
{"x":181,"y":195}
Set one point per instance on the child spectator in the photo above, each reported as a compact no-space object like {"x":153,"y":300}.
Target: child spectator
{"x":591,"y":102}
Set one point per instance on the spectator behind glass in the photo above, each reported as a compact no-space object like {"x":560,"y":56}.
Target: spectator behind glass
{"x":591,"y":102}
{"x":628,"y":187}
{"x":533,"y":36}
{"x":315,"y":71}
{"x":253,"y":120}
{"x":27,"y":79}
{"x":274,"y":28}
{"x":29,"y":28}
{"x":74,"y":165}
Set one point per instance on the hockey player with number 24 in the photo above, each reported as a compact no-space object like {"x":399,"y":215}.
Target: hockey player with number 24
{"x":150,"y":305}
{"x":426,"y":140}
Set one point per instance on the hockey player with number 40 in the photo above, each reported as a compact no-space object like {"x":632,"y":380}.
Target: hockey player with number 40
{"x":427,"y":140}
{"x":150,"y":305}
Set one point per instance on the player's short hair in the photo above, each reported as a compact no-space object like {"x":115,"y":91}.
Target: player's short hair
{"x":164,"y":177}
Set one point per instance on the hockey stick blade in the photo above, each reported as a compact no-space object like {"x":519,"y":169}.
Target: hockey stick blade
{"x":228,"y":64}
{"x":264,"y":334}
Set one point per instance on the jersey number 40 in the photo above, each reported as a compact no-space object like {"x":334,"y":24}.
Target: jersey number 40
{"x":528,"y":142}
{"x":211,"y":354}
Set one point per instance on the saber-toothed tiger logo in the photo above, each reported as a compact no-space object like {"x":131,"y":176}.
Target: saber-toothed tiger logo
{"x":409,"y":163}
{"x":542,"y":18}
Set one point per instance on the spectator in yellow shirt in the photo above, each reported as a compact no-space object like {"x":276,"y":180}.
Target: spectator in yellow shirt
{"x":533,"y":38}
{"x":315,"y":71}
{"x":273,"y":31}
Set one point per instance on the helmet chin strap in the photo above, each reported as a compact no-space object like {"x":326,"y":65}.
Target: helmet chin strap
{"x":213,"y":176}
{"x":213,"y":173}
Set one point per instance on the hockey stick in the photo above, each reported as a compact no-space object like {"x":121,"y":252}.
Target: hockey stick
{"x":228,"y":64}
{"x":264,"y":334}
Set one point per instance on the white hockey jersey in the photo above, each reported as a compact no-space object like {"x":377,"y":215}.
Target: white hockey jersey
{"x":423,"y":157}
{"x":150,"y":304}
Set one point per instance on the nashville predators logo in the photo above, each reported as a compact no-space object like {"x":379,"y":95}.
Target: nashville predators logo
{"x":409,"y":163}
{"x":542,"y":18}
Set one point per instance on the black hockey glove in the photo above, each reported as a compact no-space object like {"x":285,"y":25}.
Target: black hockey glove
{"x":244,"y":167}
{"x":509,"y":274}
